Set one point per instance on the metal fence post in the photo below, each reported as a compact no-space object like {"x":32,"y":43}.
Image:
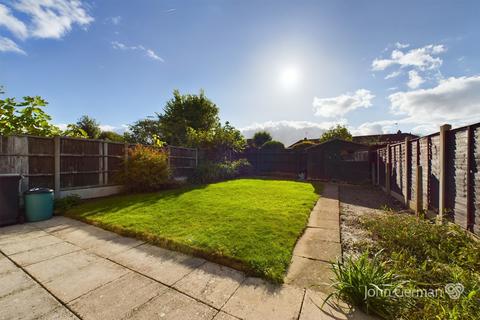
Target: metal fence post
{"x":442,"y":165}
{"x":56,"y":174}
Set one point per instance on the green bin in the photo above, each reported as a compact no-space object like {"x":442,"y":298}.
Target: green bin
{"x":38,"y":204}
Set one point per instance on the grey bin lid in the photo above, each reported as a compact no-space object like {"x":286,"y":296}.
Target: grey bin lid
{"x":38,"y":191}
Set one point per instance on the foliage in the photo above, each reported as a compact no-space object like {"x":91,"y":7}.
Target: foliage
{"x":218,"y":171}
{"x":428,"y":256}
{"x":25,"y":117}
{"x":273,"y":145}
{"x":90,"y":126}
{"x":260,"y":137}
{"x":249,"y":224}
{"x":74,"y":131}
{"x":221,"y":140}
{"x":111,"y":136}
{"x":355,"y":278}
{"x":187,"y":111}
{"x":64,"y":204}
{"x":303,"y":145}
{"x":146,"y":169}
{"x":338,"y":132}
{"x":145,"y":131}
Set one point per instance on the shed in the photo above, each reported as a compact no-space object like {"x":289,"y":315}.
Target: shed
{"x":340,"y":160}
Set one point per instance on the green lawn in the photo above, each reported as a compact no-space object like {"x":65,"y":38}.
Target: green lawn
{"x":249,"y":224}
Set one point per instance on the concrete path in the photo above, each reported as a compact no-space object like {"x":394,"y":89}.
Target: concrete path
{"x":65,"y":269}
{"x":319,"y":245}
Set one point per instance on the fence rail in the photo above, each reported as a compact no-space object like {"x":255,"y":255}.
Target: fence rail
{"x":437,"y":174}
{"x":64,"y":164}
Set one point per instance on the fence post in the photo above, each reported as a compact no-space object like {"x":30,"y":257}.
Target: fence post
{"x":418,"y":190}
{"x":125,"y":156}
{"x":442,"y":165}
{"x":407,"y":171}
{"x":470,"y":177}
{"x":56,"y":174}
{"x":378,"y":168}
{"x":105,"y":162}
{"x":100,"y":162}
{"x":387,"y":170}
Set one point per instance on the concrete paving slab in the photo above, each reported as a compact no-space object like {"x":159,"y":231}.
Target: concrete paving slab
{"x":31,"y":303}
{"x":308,"y":273}
{"x":117,"y":299}
{"x":75,"y":283}
{"x":257,"y":299}
{"x":6,"y":265}
{"x":224,"y":316}
{"x":173,"y":305}
{"x":85,"y":236}
{"x":312,"y":309}
{"x":211,"y":283}
{"x":109,"y":247}
{"x":320,"y":250}
{"x":43,"y":253}
{"x":319,"y":219}
{"x":320,"y":234}
{"x":51,"y":269}
{"x":60,"y":313}
{"x":13,"y":234}
{"x":162,"y":265}
{"x":28,"y":244}
{"x":56,"y":223}
{"x":14,"y":281}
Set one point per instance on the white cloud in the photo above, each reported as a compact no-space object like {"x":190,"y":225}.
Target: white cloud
{"x":393,"y":75}
{"x":342,"y":104}
{"x":421,"y":58}
{"x":114,"y":20}
{"x":452,"y":100}
{"x":148,"y":52}
{"x":53,"y":18}
{"x":289,"y":132}
{"x":414,"y":79}
{"x":7,"y":45}
{"x":17,"y":27}
{"x":399,"y":45}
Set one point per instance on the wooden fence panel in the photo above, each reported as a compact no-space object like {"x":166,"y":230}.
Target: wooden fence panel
{"x":412,"y":173}
{"x":425,"y":163}
{"x":434,"y":181}
{"x":476,"y":181}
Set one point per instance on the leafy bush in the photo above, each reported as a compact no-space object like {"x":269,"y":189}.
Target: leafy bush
{"x":273,"y":145}
{"x":218,"y":171}
{"x":62,"y":205}
{"x":146,"y":169}
{"x":303,"y":145}
{"x":260,"y":138}
{"x":362,"y":281}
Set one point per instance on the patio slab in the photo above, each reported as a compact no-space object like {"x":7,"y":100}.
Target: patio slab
{"x":28,"y":244}
{"x":224,"y":316}
{"x":14,"y":281}
{"x":257,"y":299}
{"x":321,"y":234}
{"x":43,"y":253}
{"x":308,"y":273}
{"x":160,"y":264}
{"x":73,"y":284}
{"x":85,"y":237}
{"x":319,"y":250}
{"x":211,"y":283}
{"x":173,"y":305}
{"x":121,"y":296}
{"x":112,"y":246}
{"x":16,"y":233}
{"x":6,"y":265}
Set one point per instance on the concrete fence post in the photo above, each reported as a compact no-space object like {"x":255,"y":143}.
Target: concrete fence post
{"x":418,"y":190}
{"x":56,"y":173}
{"x":100,"y":163}
{"x":378,"y":168}
{"x":105,"y":162}
{"x":388,"y":170}
{"x":125,"y":156}
{"x":442,"y":165}
{"x":407,"y":171}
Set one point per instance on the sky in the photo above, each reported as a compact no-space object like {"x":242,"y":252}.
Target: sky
{"x":293,"y":68}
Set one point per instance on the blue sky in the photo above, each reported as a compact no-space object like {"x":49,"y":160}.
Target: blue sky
{"x":293,"y":68}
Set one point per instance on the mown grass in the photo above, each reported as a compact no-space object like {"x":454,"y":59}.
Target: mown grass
{"x":249,"y":224}
{"x":421,"y":257}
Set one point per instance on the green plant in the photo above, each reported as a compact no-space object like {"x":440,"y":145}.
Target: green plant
{"x":303,"y":145}
{"x":273,"y":145}
{"x":218,"y":171}
{"x":367,"y":284}
{"x":260,"y":138}
{"x":146,"y":169}
{"x":64,"y":204}
{"x":338,"y":132}
{"x":90,"y":126}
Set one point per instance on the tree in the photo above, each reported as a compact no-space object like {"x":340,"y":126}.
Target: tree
{"x":260,"y":137}
{"x":145,"y":131}
{"x":187,"y":111}
{"x":339,"y":132}
{"x":220,"y":141}
{"x":25,"y":117}
{"x":74,"y":131}
{"x":90,"y":126}
{"x":111,"y":136}
{"x":273,"y":145}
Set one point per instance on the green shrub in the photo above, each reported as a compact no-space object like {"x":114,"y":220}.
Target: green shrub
{"x":362,"y":282}
{"x":218,"y":171}
{"x":273,"y":145}
{"x":146,"y":169}
{"x":303,"y":145}
{"x":62,"y":205}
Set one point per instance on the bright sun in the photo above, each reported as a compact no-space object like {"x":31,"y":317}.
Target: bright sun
{"x":289,"y":77}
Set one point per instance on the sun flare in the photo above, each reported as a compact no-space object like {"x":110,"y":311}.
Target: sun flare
{"x":289,"y":77}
